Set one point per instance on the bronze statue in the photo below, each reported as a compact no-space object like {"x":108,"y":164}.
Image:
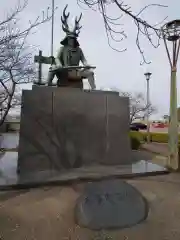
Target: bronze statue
{"x":66,"y":66}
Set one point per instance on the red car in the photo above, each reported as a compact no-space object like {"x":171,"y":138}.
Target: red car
{"x":159,"y":125}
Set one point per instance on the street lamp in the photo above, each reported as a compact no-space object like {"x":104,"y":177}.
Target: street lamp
{"x":148,"y":75}
{"x":171,"y":33}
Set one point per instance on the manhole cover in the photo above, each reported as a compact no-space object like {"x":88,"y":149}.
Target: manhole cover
{"x":110,"y":204}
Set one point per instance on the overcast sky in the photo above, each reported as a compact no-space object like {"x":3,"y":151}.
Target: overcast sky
{"x":114,"y":69}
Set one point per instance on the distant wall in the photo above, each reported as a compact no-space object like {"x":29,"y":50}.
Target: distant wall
{"x":10,"y":127}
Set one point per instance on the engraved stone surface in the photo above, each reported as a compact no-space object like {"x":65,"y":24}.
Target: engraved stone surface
{"x":64,"y":128}
{"x":110,"y":204}
{"x":81,"y":124}
{"x":35,"y":147}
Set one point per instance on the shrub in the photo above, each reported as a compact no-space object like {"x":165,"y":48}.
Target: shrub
{"x":141,"y":136}
{"x":135,"y":143}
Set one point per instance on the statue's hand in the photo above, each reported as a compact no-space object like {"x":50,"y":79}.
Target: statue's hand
{"x":87,"y":66}
{"x":52,"y":59}
{"x":54,"y":68}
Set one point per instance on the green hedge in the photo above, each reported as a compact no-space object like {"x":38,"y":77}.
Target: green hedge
{"x":154,"y":137}
{"x":139,"y":135}
{"x":135,"y":143}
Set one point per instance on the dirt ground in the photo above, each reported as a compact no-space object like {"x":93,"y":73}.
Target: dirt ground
{"x":47,"y":214}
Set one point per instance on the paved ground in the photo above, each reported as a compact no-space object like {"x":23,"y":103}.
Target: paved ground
{"x":159,"y":148}
{"x":9,"y":140}
{"x":160,"y":151}
{"x":45,"y":214}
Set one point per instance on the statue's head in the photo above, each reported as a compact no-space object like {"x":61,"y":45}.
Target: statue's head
{"x":71,"y":35}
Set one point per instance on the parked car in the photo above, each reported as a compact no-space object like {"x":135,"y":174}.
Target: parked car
{"x":140,"y":126}
{"x":134,"y":128}
{"x":160,"y":125}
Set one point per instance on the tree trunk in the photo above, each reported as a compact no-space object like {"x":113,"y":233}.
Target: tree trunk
{"x":10,"y":97}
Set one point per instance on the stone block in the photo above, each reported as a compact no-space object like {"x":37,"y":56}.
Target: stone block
{"x":81,"y":126}
{"x":35,"y":147}
{"x":112,"y":204}
{"x":64,"y":128}
{"x":117,"y":129}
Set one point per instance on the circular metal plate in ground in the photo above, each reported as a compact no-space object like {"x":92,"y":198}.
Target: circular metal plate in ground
{"x":110,"y":204}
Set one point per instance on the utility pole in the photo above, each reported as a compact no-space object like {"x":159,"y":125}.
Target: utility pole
{"x":171,"y":33}
{"x":148,"y":75}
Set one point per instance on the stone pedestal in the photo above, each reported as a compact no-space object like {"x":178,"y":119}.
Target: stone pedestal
{"x":64,"y":128}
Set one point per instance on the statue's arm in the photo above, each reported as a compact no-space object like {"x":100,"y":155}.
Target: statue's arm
{"x":58,"y":58}
{"x":83,"y":59}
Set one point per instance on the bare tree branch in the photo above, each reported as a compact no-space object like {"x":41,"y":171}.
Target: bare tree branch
{"x":144,"y":29}
{"x":138,"y":106}
{"x":8,"y":106}
{"x":16,"y":59}
{"x":17,"y":33}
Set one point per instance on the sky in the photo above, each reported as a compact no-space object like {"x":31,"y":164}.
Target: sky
{"x":113,"y":69}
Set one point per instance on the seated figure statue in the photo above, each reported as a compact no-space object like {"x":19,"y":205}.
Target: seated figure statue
{"x":70,"y":55}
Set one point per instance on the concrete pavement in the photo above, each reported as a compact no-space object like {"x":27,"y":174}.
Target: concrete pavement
{"x":157,"y":148}
{"x":48,"y":213}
